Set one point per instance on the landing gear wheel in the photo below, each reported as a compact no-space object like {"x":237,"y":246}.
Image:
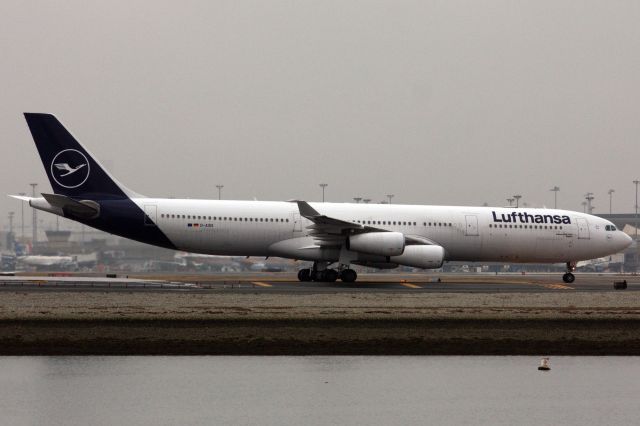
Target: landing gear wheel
{"x":330,"y":275}
{"x":304,"y":275}
{"x":568,"y":278}
{"x":348,"y":276}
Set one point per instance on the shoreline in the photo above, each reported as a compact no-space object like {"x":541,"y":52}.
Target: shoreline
{"x":321,"y":337}
{"x":346,"y":323}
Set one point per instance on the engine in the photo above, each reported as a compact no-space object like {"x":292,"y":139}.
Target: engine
{"x":380,"y":243}
{"x":426,"y":257}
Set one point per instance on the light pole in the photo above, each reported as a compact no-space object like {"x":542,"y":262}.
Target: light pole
{"x":357,"y":199}
{"x":219,"y":191}
{"x":323,"y":186}
{"x":636,"y":182}
{"x":389,"y":196}
{"x":22,"y":194}
{"x":584,"y":206}
{"x":510,"y":201}
{"x":11,"y":238}
{"x":589,"y":197}
{"x":610,"y":192}
{"x":517,"y":198}
{"x":34,"y":224}
{"x":555,"y":190}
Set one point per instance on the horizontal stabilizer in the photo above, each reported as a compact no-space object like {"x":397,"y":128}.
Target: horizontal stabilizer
{"x":83,"y":209}
{"x":20,"y":197}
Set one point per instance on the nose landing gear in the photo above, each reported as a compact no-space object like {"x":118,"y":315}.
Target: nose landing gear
{"x":569,"y":277}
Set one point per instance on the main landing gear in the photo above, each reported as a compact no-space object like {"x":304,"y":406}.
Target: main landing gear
{"x":320,"y":273}
{"x":569,"y":277}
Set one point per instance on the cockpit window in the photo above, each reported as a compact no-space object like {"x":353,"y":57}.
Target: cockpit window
{"x":609,"y":228}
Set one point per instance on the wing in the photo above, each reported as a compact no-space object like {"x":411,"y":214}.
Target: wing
{"x":325,"y":230}
{"x":329,"y":231}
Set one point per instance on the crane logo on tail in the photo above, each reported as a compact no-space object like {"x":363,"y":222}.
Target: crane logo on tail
{"x":70,"y":168}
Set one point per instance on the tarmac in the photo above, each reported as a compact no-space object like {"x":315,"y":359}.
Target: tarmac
{"x":270,"y":313}
{"x":287,"y":283}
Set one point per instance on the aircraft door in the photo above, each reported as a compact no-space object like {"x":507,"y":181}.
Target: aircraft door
{"x":583,"y":228}
{"x":297,"y":223}
{"x":150,"y":214}
{"x":472,"y":226}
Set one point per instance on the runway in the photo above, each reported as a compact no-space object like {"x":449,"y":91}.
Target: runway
{"x":286,"y":283}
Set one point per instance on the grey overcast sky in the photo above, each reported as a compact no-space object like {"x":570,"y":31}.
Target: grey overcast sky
{"x":437,"y":102}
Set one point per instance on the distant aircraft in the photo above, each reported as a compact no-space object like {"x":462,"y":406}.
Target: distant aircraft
{"x":70,"y":262}
{"x":40,"y":261}
{"x":340,"y":234}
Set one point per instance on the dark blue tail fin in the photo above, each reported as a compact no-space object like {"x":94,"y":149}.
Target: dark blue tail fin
{"x":71,"y":169}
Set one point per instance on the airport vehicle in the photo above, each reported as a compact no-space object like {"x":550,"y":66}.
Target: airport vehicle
{"x":340,"y":234}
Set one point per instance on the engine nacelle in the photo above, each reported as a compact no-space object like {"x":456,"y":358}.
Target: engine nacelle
{"x":380,"y":243}
{"x":426,"y":257}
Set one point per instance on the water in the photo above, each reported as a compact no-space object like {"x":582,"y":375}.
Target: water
{"x":318,"y":390}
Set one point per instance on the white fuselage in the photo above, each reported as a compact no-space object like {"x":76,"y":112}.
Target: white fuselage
{"x":489,"y":234}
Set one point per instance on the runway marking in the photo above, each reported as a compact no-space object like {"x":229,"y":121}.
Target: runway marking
{"x":261,"y":284}
{"x":558,"y":286}
{"x":409,"y":285}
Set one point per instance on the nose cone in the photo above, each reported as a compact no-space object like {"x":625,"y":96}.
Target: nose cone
{"x":624,"y":240}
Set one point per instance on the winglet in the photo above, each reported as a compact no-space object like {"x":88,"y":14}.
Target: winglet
{"x":306,"y":210}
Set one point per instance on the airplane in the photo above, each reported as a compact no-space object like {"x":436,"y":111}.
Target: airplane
{"x":48,"y":262}
{"x":333,"y":236}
